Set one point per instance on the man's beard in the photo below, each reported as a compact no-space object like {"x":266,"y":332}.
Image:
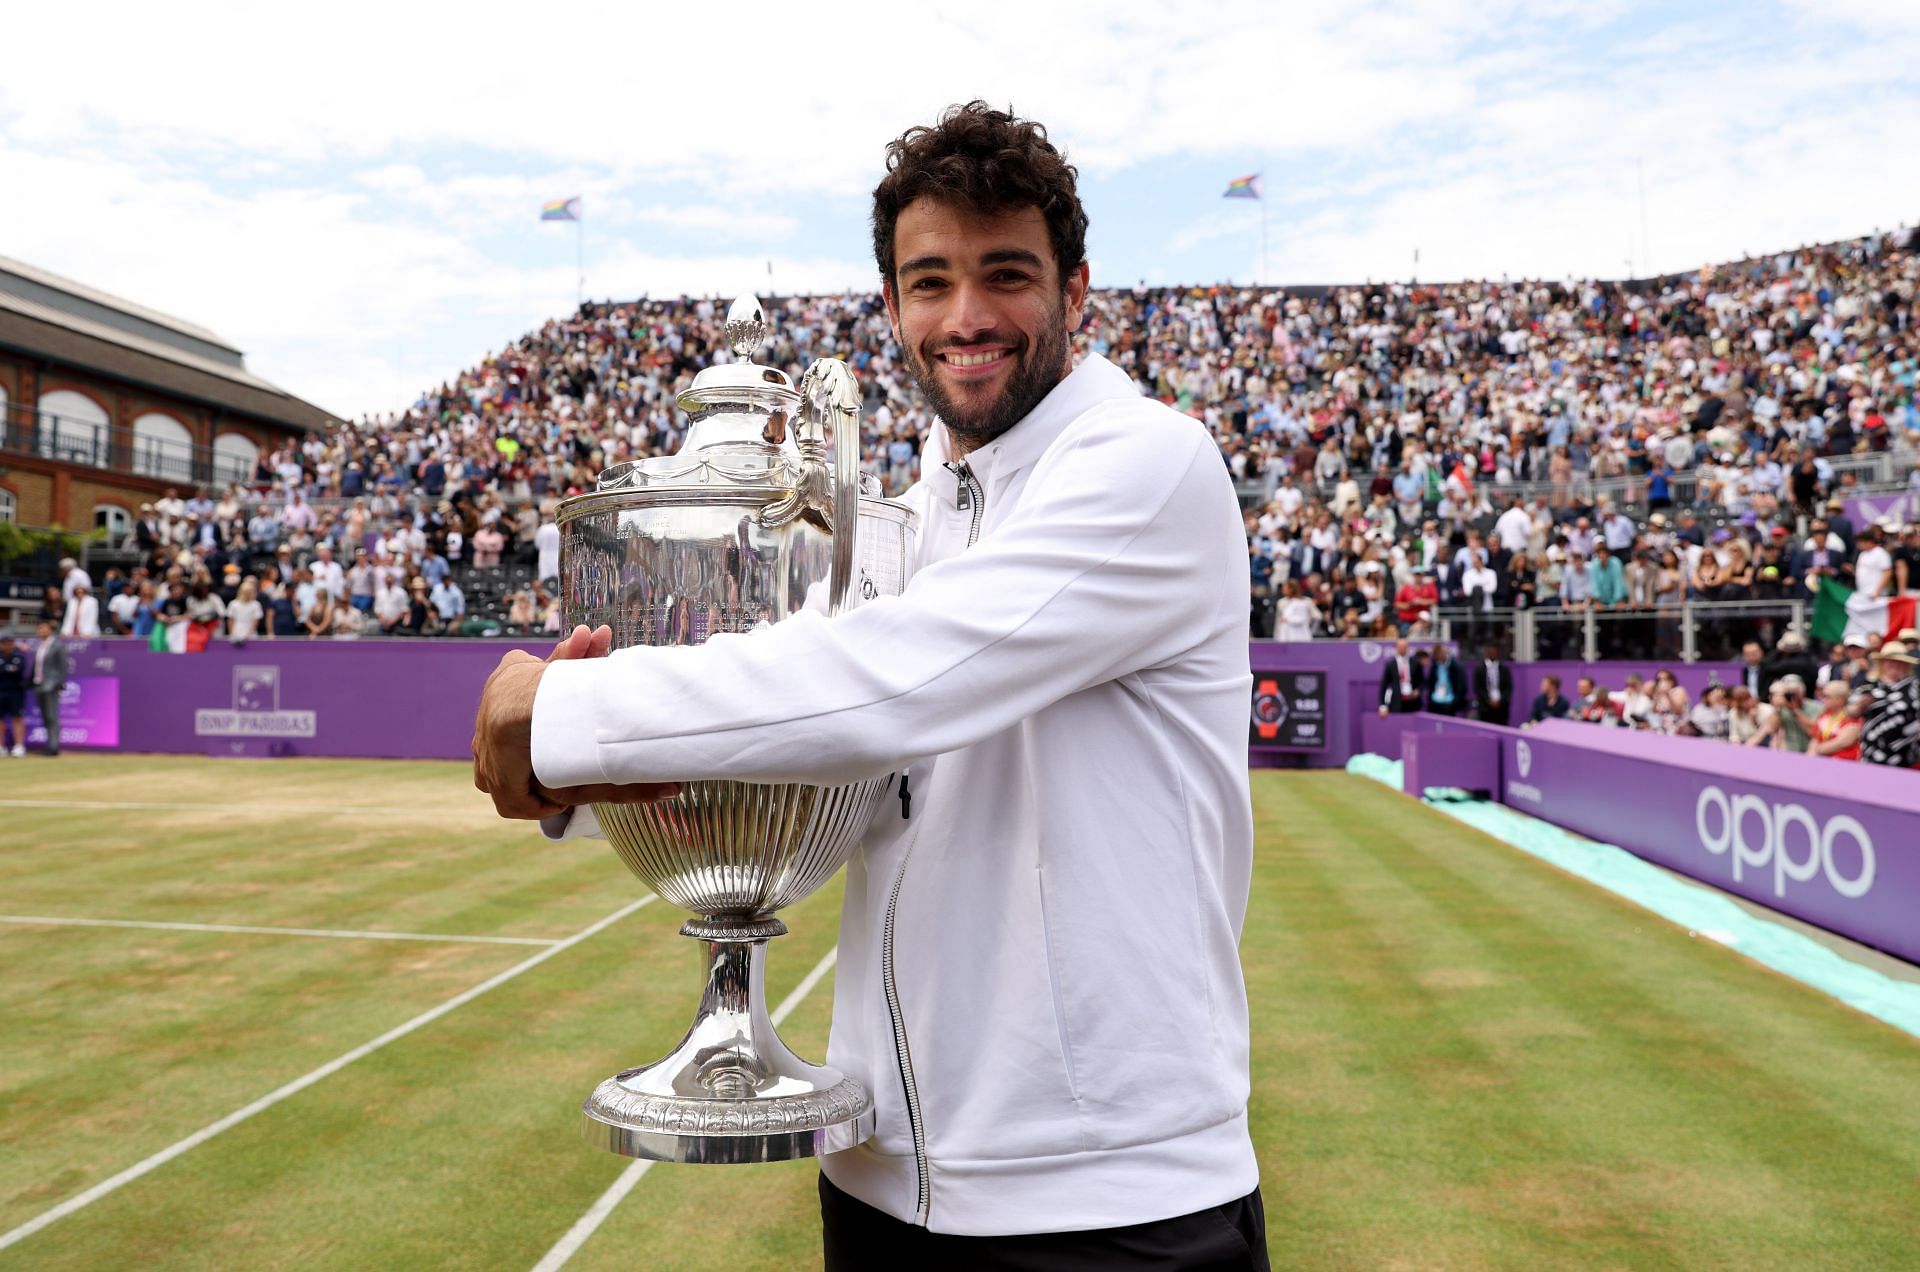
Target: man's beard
{"x":1035,"y":376}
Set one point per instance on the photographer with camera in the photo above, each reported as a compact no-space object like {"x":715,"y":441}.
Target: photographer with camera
{"x":1785,"y":724}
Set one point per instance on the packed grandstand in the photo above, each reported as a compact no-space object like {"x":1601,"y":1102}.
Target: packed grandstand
{"x":1413,"y":459}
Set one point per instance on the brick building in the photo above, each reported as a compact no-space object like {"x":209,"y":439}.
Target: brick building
{"x":106,"y":404}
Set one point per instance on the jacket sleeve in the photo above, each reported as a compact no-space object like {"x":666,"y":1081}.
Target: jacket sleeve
{"x":1117,"y":559}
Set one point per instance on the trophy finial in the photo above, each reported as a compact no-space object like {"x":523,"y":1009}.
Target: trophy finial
{"x":746,"y":327}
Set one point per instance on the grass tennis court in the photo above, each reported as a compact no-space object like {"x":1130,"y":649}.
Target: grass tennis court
{"x":1462,"y":1058}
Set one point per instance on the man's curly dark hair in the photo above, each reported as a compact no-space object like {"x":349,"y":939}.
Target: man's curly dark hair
{"x":989,"y":162}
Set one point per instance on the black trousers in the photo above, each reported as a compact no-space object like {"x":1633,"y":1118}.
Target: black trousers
{"x":1229,"y":1238}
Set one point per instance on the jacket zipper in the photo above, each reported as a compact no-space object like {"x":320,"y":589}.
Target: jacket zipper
{"x":923,"y":1196}
{"x":970,"y":498}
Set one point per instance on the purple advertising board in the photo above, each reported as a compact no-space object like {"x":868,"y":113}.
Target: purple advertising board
{"x":415,"y":698}
{"x":1864,"y":510}
{"x":374,"y":699}
{"x":1351,"y":684}
{"x":89,"y":714}
{"x":1834,"y":843}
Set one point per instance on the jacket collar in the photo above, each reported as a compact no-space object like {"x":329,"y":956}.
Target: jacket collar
{"x":1094,"y":381}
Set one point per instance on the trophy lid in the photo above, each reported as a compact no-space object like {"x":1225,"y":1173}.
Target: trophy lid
{"x":743,"y":382}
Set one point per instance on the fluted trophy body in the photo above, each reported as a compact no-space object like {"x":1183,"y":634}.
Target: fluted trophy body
{"x":750,"y":523}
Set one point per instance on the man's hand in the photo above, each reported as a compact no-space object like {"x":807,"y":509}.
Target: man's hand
{"x":503,"y":737}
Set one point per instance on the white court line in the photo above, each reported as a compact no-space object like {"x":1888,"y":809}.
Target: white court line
{"x":566,"y":1247}
{"x":93,"y":805}
{"x":331,"y":1067}
{"x":57,"y":921}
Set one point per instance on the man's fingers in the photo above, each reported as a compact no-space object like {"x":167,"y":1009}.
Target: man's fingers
{"x":572,"y":645}
{"x":583,"y":642}
{"x":523,"y":806}
{"x":501,"y":763}
{"x":611,"y":793}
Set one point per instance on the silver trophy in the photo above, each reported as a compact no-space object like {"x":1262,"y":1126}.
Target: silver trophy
{"x":749,"y":523}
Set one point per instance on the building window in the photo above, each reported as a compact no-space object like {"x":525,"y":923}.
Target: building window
{"x":234,"y":455}
{"x":163,"y":448}
{"x":115,"y":520}
{"x":73,"y":428}
{"x":9,"y":506}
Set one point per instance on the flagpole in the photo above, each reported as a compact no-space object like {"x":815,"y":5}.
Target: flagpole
{"x":1250,"y":188}
{"x":1263,"y":238}
{"x":580,"y":261}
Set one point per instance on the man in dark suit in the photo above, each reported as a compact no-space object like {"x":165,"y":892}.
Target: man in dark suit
{"x":1403,"y":682}
{"x":1753,"y":670}
{"x":49,"y":678}
{"x":1493,"y":688}
{"x":146,"y":531}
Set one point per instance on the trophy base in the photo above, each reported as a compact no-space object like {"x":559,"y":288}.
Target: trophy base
{"x":731,"y":1091}
{"x":707,"y":1130}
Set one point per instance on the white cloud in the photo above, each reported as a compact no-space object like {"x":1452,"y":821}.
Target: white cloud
{"x":353,"y":200}
{"x":709,"y":218}
{"x":1235,"y":221}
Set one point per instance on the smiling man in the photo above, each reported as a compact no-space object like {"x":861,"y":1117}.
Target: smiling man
{"x":1039,"y":976}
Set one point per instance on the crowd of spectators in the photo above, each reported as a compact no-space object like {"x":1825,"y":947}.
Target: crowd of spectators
{"x":1403,"y":450}
{"x":1504,"y":447}
{"x":262,"y":564}
{"x":1856,"y":704}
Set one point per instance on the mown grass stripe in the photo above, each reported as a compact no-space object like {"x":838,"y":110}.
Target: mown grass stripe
{"x":265,"y":810}
{"x":114,"y":1183}
{"x":48,"y":920}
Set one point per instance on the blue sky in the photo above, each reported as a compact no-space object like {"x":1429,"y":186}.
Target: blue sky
{"x":355,"y":201}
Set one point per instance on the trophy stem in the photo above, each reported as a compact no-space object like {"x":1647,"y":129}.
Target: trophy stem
{"x":732,"y":1018}
{"x":731,"y":1091}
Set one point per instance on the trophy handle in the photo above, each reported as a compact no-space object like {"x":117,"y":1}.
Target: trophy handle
{"x":830,"y":395}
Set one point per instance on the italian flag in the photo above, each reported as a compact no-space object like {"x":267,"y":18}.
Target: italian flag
{"x":1840,"y":612}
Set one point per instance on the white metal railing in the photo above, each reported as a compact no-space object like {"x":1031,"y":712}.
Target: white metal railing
{"x":1692,"y":631}
{"x":50,"y":435}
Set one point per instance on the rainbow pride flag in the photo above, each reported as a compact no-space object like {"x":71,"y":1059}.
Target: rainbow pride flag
{"x":1243,"y":188}
{"x":561,"y":210}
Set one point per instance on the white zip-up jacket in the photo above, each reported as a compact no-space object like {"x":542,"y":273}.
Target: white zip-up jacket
{"x":1071,"y":691}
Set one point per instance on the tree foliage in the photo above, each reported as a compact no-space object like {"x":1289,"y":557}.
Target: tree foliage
{"x":18,"y":541}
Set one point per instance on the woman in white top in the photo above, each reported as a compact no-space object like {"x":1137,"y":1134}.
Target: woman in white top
{"x":246,"y":614}
{"x":1297,"y":614}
